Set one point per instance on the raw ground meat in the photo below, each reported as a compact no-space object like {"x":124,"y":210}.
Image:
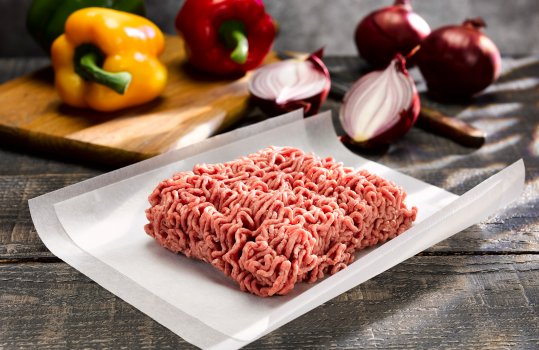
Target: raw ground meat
{"x":276,"y":217}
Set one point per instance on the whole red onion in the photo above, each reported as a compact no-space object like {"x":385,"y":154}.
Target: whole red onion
{"x":458,"y":61}
{"x":388,"y":31}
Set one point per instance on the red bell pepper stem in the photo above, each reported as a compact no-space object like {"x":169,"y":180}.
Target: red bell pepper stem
{"x":234,"y":35}
{"x":225,"y":37}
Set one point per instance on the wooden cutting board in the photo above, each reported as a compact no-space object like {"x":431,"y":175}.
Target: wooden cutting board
{"x":193,"y":107}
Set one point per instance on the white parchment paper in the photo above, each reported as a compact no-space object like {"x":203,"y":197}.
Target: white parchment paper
{"x":97,"y":226}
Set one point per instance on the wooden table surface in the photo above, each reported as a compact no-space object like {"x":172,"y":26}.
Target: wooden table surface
{"x":478,"y":289}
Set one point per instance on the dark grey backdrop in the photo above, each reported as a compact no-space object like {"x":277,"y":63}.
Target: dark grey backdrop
{"x":309,"y":24}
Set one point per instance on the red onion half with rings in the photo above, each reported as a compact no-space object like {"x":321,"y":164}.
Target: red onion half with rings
{"x":381,"y":106}
{"x":388,"y":31}
{"x":291,"y":84}
{"x":458,"y":61}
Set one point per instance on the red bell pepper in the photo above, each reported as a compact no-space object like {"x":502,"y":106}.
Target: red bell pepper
{"x":225,"y":36}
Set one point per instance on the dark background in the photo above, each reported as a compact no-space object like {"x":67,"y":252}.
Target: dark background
{"x":309,"y":24}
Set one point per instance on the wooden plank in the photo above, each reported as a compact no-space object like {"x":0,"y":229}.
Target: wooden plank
{"x":192,"y":107}
{"x":426,"y":302}
{"x":427,"y":157}
{"x":11,"y":68}
{"x":17,"y":162}
{"x":18,"y":237}
{"x":507,"y":111}
{"x":505,"y":118}
{"x":514,"y":230}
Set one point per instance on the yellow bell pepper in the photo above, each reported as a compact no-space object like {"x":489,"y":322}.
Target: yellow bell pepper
{"x":108,"y":60}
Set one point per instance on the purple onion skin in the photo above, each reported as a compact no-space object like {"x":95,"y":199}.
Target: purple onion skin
{"x":458,"y":71}
{"x":310,"y":105}
{"x":388,"y":31}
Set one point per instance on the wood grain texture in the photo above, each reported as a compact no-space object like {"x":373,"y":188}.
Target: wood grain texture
{"x":515,"y":230}
{"x":18,"y":237}
{"x":426,"y":302}
{"x":193,"y":107}
{"x":420,"y":154}
{"x":478,"y":289}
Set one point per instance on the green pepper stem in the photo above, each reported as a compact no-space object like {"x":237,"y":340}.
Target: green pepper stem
{"x":234,"y":35}
{"x":89,"y":69}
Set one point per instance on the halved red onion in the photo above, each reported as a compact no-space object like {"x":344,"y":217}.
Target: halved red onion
{"x":291,"y":84}
{"x":381,"y":106}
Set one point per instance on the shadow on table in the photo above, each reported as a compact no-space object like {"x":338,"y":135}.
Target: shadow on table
{"x":427,"y":295}
{"x":508,"y":112}
{"x":425,"y":302}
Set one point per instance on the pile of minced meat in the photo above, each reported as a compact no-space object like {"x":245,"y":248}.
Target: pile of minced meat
{"x":276,"y":217}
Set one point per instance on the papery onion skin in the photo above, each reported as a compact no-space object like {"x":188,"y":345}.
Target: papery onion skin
{"x":310,"y":105}
{"x":458,"y":61}
{"x":388,"y":31}
{"x":406,"y":117}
